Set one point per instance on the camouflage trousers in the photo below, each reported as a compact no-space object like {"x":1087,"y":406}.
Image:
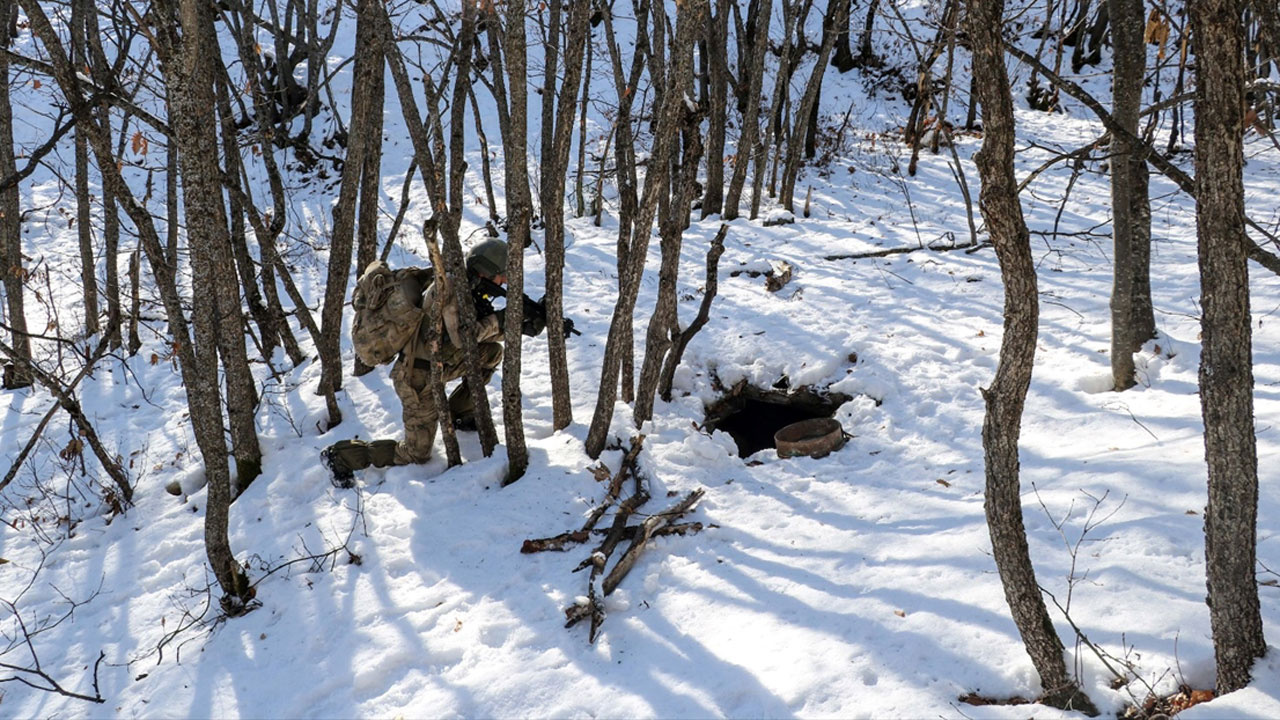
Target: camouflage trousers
{"x":420,"y":414}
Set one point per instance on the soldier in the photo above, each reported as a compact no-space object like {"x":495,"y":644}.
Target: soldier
{"x":486,"y":268}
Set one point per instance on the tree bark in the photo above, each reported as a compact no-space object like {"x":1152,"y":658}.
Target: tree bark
{"x":718,"y":32}
{"x":808,"y":103}
{"x":11,"y":270}
{"x":656,"y":184}
{"x":371,"y":167}
{"x":663,"y":323}
{"x":553,"y":198}
{"x":1226,"y":361}
{"x":84,"y":213}
{"x":628,"y":180}
{"x":1131,"y":213}
{"x":1008,"y":391}
{"x":368,"y":63}
{"x":754,"y":77}
{"x":513,"y":112}
{"x":216,"y":317}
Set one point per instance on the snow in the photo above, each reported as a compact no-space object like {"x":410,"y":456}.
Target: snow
{"x":857,"y":585}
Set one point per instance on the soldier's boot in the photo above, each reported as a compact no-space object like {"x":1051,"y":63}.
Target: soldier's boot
{"x":340,"y":474}
{"x":345,"y":457}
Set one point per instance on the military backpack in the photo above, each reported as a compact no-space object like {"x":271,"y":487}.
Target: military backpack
{"x":388,"y":305}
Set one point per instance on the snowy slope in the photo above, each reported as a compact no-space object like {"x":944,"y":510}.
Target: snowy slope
{"x":858,"y":585}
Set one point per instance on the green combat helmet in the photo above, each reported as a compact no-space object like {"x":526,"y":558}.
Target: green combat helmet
{"x":488,"y":258}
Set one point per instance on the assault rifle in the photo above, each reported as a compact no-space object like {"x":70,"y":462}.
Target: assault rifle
{"x":483,"y":290}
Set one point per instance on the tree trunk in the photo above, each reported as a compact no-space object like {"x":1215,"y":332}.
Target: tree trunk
{"x":515,"y":142}
{"x":104,"y":75}
{"x":367,"y":64}
{"x":1131,"y":210}
{"x":84,"y":213}
{"x":1008,"y":391}
{"x":371,"y":167}
{"x":718,"y":30}
{"x":17,"y":375}
{"x":262,"y":316}
{"x":656,"y":184}
{"x":550,"y":61}
{"x":1226,"y":361}
{"x":628,"y":180}
{"x":553,"y":199}
{"x":754,"y":77}
{"x":808,"y":104}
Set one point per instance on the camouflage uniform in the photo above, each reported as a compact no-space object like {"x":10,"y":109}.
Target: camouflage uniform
{"x":409,"y":376}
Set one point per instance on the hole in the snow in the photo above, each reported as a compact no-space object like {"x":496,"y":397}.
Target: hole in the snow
{"x":752,"y":415}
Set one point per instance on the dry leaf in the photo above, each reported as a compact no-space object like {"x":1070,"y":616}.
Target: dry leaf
{"x":943,"y":483}
{"x":139,"y":143}
{"x":36,"y":83}
{"x":900,"y":613}
{"x":458,"y":625}
{"x":600,"y":472}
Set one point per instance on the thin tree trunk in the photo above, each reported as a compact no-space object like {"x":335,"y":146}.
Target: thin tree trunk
{"x":718,"y":31}
{"x":84,"y":213}
{"x":17,"y":375}
{"x":656,"y":185}
{"x":515,"y":141}
{"x":1131,"y":214}
{"x":261,"y":314}
{"x":1008,"y":391}
{"x":551,"y":60}
{"x":628,"y":181}
{"x":1226,"y":359}
{"x":754,"y":77}
{"x":371,"y":167}
{"x":808,"y":104}
{"x":553,"y":199}
{"x":367,"y":64}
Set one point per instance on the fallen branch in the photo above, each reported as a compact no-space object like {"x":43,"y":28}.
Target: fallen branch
{"x":615,"y":485}
{"x":904,"y":250}
{"x":654,"y":522}
{"x":64,"y":394}
{"x":556,"y":543}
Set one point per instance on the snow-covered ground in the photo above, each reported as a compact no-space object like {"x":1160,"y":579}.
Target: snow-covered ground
{"x":857,"y":585}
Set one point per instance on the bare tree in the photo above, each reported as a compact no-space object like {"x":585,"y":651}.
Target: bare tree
{"x":627,"y":177}
{"x":513,"y":113}
{"x":1007,"y":394}
{"x":1226,"y":359}
{"x":753,"y":77}
{"x":1132,"y":315}
{"x":671,"y":224}
{"x":11,"y":270}
{"x":718,"y":83}
{"x":553,"y":197}
{"x":368,"y":64}
{"x":831,"y":25}
{"x":197,"y":360}
{"x":84,"y":213}
{"x":657,"y":183}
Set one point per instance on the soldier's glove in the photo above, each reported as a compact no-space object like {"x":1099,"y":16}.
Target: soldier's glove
{"x":533,"y":324}
{"x":568,"y":328}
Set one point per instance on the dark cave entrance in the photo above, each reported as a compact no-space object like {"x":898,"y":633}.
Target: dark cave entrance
{"x":752,"y":415}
